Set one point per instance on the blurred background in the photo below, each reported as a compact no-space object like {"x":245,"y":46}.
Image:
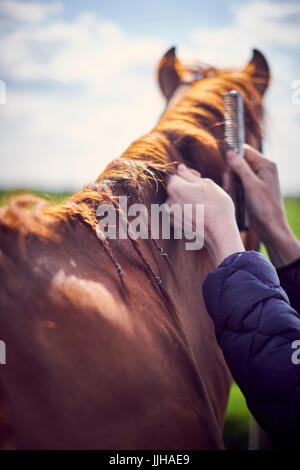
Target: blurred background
{"x":78,"y":85}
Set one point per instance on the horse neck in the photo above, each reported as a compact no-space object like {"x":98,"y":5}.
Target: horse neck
{"x":190,"y":269}
{"x":185,"y":288}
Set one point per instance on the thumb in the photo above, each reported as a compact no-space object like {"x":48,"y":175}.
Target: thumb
{"x":241,"y":168}
{"x":188,"y":174}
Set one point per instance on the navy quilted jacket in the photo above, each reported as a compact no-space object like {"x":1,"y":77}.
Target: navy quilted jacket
{"x":257,"y":324}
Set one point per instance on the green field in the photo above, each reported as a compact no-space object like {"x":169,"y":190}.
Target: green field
{"x":53,"y":198}
{"x":238,"y":417}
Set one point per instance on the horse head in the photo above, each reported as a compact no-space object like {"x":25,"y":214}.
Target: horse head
{"x":177,"y":80}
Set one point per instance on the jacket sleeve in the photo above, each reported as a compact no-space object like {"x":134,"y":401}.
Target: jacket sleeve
{"x":259,"y":334}
{"x":289,"y":277}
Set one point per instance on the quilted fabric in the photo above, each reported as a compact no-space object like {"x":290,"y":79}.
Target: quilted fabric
{"x":255,"y":326}
{"x":289,"y":277}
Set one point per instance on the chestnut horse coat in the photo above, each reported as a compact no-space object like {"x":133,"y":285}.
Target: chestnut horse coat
{"x":109,"y":359}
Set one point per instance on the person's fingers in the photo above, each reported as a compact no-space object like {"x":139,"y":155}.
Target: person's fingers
{"x":254,"y":157}
{"x":174,"y":182}
{"x":168,"y":203}
{"x":265,"y":169}
{"x":226,"y":179}
{"x":240,"y":166}
{"x":195,"y":172}
{"x":188,"y":174}
{"x":170,"y":207}
{"x":176,"y":187}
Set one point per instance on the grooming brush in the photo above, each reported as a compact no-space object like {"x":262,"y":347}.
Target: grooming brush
{"x":234,"y":140}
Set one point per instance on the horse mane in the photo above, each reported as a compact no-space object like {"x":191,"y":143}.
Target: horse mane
{"x":191,"y":132}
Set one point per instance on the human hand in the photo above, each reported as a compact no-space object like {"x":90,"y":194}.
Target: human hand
{"x":221,"y":235}
{"x":267,"y":215}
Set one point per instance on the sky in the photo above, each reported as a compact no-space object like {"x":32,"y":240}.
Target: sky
{"x":81,"y":85}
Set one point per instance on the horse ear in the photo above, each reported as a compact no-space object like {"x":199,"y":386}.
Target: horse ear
{"x":169,"y":72}
{"x":259,"y":70}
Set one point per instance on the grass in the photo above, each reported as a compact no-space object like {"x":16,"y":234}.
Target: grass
{"x":53,"y":198}
{"x":292,"y":207}
{"x":236,"y":430}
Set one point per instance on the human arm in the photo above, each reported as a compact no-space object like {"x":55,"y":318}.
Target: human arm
{"x":255,"y":325}
{"x":256,"y":329}
{"x":289,"y":277}
{"x":261,"y":184}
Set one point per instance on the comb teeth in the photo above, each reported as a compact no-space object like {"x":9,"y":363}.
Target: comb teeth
{"x":234,"y":121}
{"x":234,"y":139}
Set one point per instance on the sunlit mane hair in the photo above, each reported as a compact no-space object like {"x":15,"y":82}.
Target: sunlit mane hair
{"x":192,"y":132}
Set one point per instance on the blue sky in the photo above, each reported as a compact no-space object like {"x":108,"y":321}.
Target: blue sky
{"x":80,"y":78}
{"x":162,"y":18}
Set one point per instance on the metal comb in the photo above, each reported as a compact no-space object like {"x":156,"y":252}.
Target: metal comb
{"x":234,"y":140}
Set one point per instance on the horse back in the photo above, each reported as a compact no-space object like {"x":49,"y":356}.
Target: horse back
{"x":86,"y":368}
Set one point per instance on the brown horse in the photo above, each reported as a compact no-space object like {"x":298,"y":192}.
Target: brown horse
{"x":109,"y":344}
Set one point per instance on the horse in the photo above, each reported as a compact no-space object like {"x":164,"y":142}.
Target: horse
{"x":108,"y":342}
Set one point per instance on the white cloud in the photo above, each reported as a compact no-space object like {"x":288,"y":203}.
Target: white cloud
{"x":88,"y":50}
{"x":266,"y":24}
{"x":31,"y":12}
{"x":64,"y":142}
{"x":61,"y":138}
{"x":92,"y":89}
